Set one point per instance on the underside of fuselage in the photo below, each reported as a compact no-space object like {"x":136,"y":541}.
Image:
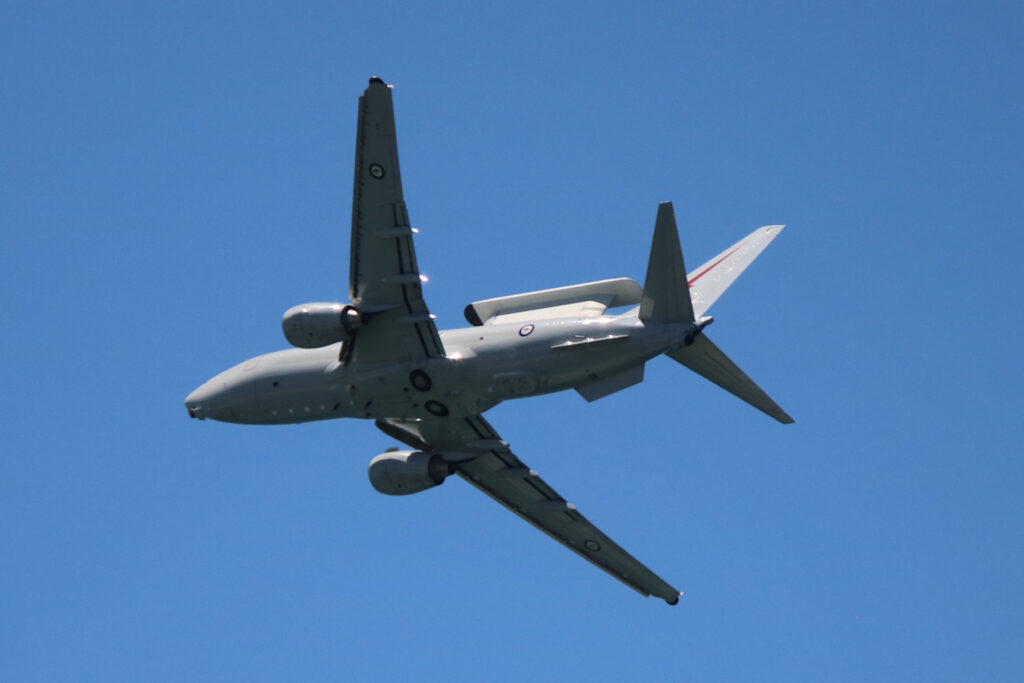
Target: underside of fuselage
{"x":482,"y":367}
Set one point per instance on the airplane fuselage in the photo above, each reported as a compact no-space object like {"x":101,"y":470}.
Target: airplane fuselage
{"x":381,"y":357}
{"x":483,"y":366}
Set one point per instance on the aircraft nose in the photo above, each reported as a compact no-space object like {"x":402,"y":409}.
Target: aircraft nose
{"x":228,"y":397}
{"x":194,"y":401}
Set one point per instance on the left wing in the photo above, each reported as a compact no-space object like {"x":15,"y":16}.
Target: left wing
{"x":486,"y":462}
{"x":384,"y":279}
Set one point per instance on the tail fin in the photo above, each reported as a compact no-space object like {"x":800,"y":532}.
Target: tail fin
{"x":670,"y":294}
{"x":666,"y":296}
{"x":708,"y":361}
{"x":708,"y":282}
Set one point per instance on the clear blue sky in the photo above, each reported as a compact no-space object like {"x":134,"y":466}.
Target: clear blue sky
{"x":173,"y":177}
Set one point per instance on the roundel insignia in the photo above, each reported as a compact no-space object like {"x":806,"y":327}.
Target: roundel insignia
{"x":436,"y":408}
{"x":420,"y":380}
{"x":593,"y":546}
{"x":377,"y":171}
{"x":525,"y":330}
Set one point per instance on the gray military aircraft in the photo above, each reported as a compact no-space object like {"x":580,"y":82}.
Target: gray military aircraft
{"x":380,"y":357}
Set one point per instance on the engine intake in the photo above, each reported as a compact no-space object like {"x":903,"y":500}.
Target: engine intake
{"x":310,"y":326}
{"x":399,"y":473}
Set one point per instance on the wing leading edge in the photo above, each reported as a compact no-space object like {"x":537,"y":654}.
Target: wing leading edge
{"x":489,"y":464}
{"x":384,"y":278}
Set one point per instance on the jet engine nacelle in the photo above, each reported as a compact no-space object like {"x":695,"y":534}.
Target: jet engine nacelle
{"x":398,"y":473}
{"x":310,"y":326}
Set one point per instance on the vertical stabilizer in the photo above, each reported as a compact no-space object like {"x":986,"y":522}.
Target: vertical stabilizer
{"x":666,"y":292}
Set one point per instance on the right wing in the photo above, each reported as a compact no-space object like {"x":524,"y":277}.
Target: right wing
{"x":384,"y":278}
{"x":496,"y":471}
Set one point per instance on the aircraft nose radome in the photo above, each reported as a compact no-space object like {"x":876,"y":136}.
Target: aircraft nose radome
{"x":228,"y":397}
{"x":194,"y":402}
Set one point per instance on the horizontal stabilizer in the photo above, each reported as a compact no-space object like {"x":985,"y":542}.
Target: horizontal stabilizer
{"x":708,"y":361}
{"x":708,"y":282}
